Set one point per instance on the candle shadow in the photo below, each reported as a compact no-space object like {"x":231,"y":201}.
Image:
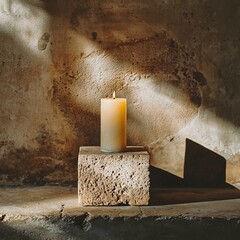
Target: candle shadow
{"x":204,"y":179}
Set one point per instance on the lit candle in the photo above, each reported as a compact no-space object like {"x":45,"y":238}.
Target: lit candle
{"x":113,"y":124}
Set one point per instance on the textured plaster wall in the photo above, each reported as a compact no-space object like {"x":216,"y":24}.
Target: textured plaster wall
{"x":176,"y":62}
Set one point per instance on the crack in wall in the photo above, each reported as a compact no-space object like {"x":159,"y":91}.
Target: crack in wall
{"x":2,"y":217}
{"x":61,"y":210}
{"x":141,"y":214}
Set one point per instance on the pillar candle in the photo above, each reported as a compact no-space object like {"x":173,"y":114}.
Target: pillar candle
{"x":113,"y":124}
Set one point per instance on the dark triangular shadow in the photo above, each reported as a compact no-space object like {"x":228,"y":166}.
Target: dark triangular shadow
{"x":204,"y":179}
{"x":163,"y":179}
{"x":203,"y":167}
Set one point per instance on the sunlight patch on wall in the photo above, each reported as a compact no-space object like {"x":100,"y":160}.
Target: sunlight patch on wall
{"x":26,"y":23}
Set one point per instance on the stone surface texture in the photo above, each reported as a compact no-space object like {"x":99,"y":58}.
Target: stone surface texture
{"x":53,"y":213}
{"x":113,"y":178}
{"x":176,"y":62}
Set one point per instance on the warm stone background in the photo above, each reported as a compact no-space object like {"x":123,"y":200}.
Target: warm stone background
{"x":177,"y":63}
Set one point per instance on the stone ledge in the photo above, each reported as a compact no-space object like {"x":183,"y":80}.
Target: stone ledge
{"x":63,"y":202}
{"x":40,"y":213}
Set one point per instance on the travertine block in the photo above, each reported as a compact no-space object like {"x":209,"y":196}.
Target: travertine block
{"x":113,"y":178}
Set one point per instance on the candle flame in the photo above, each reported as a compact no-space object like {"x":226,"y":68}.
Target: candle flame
{"x":114,"y":95}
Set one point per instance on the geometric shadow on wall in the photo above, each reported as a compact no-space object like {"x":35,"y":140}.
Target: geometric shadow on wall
{"x":204,"y":179}
{"x":203,"y":167}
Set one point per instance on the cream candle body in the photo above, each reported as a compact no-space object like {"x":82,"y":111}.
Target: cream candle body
{"x":113,"y":124}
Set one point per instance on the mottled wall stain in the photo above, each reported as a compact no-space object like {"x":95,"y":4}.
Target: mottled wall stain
{"x":175,"y":62}
{"x":43,"y":41}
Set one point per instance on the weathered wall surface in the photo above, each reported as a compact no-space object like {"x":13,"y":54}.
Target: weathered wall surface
{"x":176,"y":62}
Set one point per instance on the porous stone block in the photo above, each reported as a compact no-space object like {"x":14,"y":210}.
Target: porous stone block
{"x":113,"y":178}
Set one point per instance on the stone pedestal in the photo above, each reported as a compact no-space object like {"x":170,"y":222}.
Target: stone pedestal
{"x":113,"y":178}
